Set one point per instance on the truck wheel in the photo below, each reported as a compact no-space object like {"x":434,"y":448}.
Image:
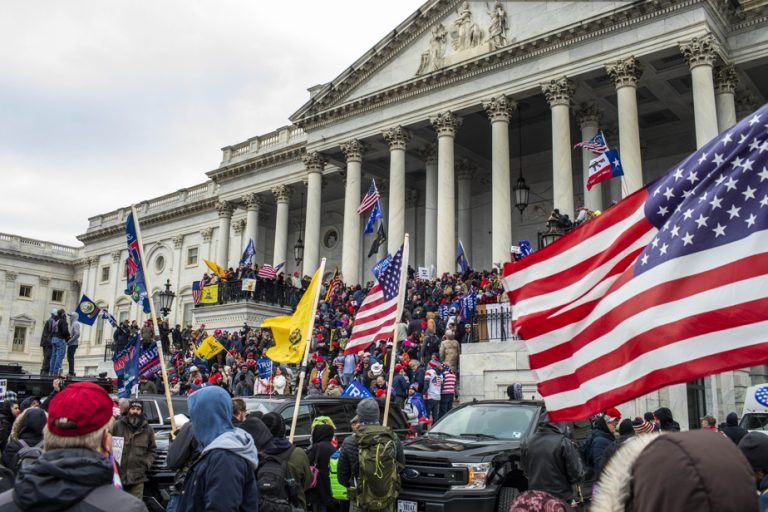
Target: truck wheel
{"x":506,"y":497}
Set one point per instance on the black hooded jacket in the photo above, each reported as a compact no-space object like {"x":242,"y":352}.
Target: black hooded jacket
{"x":551,"y":462}
{"x":30,"y":431}
{"x":319,"y":455}
{"x":6,"y":421}
{"x":666,"y":423}
{"x":68,"y":479}
{"x":732,"y":428}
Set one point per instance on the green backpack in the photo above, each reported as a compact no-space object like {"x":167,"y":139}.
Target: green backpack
{"x":379,"y":479}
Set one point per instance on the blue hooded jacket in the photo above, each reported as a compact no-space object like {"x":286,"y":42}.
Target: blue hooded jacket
{"x":224,"y":478}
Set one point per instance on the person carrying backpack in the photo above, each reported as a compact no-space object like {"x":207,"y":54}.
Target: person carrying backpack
{"x":370,"y":462}
{"x":284,"y":475}
{"x":25,"y":444}
{"x":320,"y":494}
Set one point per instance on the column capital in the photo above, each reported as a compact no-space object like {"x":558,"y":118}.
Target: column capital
{"x":177,"y":240}
{"x":252,"y":201}
{"x":116,"y":256}
{"x":558,"y":91}
{"x":699,"y":51}
{"x":499,"y":108}
{"x":239,"y":226}
{"x":397,"y":137}
{"x":428,"y":153}
{"x":465,"y":170}
{"x":588,"y":113}
{"x":314,"y":162}
{"x":224,"y":208}
{"x":282,"y":193}
{"x":625,"y":72}
{"x":93,"y":261}
{"x":726,"y":79}
{"x":446,"y":124}
{"x":207,"y":234}
{"x":11,"y":276}
{"x":353,"y":150}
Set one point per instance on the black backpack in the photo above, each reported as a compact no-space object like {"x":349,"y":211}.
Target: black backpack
{"x":27,"y":454}
{"x":432,"y":344}
{"x":277,"y":488}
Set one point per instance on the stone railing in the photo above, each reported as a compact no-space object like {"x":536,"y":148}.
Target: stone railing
{"x":39,"y":247}
{"x":157,"y":204}
{"x":280,"y":138}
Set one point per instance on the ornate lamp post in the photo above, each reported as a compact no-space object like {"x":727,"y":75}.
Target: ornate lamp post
{"x":521,"y":189}
{"x":298,"y":249}
{"x":166,"y":298}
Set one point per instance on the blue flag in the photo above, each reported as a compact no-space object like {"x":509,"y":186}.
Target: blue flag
{"x":461,"y":257}
{"x":525,"y":248}
{"x":136,"y":286}
{"x":149,"y":361}
{"x":357,"y":390}
{"x":87,"y":311}
{"x":264,"y":364}
{"x":109,"y":318}
{"x":126,"y":365}
{"x":468,"y":305}
{"x":248,"y":254}
{"x":375,"y":215}
{"x":380,"y":266}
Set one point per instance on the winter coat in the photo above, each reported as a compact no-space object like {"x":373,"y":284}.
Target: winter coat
{"x":28,"y":428}
{"x":400,"y":386}
{"x":74,"y":331}
{"x":45,"y":339}
{"x":594,"y":447}
{"x":71,"y":480}
{"x":732,"y":428}
{"x":666,"y":423}
{"x":551,"y":462}
{"x":349,"y":465}
{"x":324,"y":380}
{"x":138,"y":449}
{"x":449,"y":352}
{"x":62,"y":330}
{"x":298,"y":467}
{"x":334,"y":390}
{"x":6,"y":422}
{"x":148,"y":388}
{"x":147,"y":334}
{"x":319,"y":455}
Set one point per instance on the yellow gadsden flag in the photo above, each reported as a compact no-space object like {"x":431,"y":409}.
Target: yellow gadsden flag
{"x":291,"y":332}
{"x":210,"y":294}
{"x":208,"y":348}
{"x":216,"y":268}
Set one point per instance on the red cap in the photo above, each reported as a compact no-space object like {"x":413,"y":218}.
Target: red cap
{"x":334,"y":382}
{"x":613,"y":414}
{"x":217,"y":332}
{"x":315,"y":381}
{"x":81,"y":408}
{"x":398,"y":367}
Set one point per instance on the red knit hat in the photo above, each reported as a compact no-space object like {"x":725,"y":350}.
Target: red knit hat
{"x":81,"y":408}
{"x":398,"y":368}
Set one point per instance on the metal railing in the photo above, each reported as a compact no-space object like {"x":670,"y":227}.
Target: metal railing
{"x":495,"y":326}
{"x":265,"y":292}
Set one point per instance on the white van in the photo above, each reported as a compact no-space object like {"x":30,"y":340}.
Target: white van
{"x":755,"y":414}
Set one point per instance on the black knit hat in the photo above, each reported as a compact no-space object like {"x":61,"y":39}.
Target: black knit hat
{"x":275,"y":423}
{"x":754,"y":446}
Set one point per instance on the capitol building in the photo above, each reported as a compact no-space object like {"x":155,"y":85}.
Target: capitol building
{"x":454,"y":113}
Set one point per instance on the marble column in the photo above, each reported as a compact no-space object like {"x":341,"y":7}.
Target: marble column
{"x":238,"y":228}
{"x":726,"y":80}
{"x":397,"y":138}
{"x":207,"y":235}
{"x":446,"y":124}
{"x":700,"y":53}
{"x":383,"y":186}
{"x":253,"y":204}
{"x":412,"y":226}
{"x":625,"y":74}
{"x":225,"y":218}
{"x":558,"y":93}
{"x":465,"y":173}
{"x":282,"y":195}
{"x":589,"y":121}
{"x":428,"y":154}
{"x":350,"y":240}
{"x":499,"y":110}
{"x":314,"y":163}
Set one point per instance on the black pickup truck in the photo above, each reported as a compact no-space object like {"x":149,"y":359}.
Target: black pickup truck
{"x":470,"y":459}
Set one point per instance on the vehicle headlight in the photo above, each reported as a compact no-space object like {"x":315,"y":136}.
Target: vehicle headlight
{"x":477,"y":473}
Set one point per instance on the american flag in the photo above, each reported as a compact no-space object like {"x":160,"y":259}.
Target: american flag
{"x":376,"y":318}
{"x":594,"y":145}
{"x":196,"y":292}
{"x":332,"y":285}
{"x":270,"y":272}
{"x":369,"y":199}
{"x":667,"y":286}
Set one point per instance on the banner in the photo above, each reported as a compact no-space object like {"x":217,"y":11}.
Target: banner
{"x":249,"y":285}
{"x":357,"y":390}
{"x":380,"y":266}
{"x":136,"y":287}
{"x":149,"y":362}
{"x":424,"y":274}
{"x":264,"y":365}
{"x":87,"y":311}
{"x":126,"y":365}
{"x":210,"y":294}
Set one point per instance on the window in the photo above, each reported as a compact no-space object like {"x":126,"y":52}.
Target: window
{"x":122,"y":316}
{"x":99,"y":330}
{"x":124,"y":271}
{"x":104,"y":274}
{"x":192,"y":257}
{"x":187,"y":318}
{"x":25,"y":291}
{"x":338,"y":413}
{"x":19,"y":339}
{"x":57,"y":296}
{"x":303,"y":423}
{"x":159,"y":264}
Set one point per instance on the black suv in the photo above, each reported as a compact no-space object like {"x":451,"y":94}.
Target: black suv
{"x":470,"y":459}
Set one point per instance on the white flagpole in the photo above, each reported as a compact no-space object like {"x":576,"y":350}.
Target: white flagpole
{"x":398,"y":315}
{"x":154,"y":321}
{"x":303,"y":373}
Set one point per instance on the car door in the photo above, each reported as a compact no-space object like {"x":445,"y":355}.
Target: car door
{"x":303,"y":423}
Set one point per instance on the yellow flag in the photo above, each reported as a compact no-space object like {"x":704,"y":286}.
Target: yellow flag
{"x":208,"y":348}
{"x":290,"y":332}
{"x":216,"y":268}
{"x":210,"y":294}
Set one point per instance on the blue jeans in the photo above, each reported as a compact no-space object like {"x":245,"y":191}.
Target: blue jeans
{"x":433,"y":409}
{"x":57,"y":355}
{"x":173,"y":503}
{"x":446,"y":404}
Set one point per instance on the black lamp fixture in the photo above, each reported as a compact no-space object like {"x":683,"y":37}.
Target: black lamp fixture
{"x":165,"y":298}
{"x":298,"y":249}
{"x":521,"y":190}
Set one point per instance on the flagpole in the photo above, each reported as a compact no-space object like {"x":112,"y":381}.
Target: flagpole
{"x":398,"y":315}
{"x":303,"y":373}
{"x":154,"y":321}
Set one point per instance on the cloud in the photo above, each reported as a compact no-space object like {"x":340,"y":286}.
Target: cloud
{"x":100,"y":98}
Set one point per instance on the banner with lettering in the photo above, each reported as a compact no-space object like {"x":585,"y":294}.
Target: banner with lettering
{"x":126,"y":365}
{"x":149,"y":361}
{"x":357,"y":390}
{"x":264,"y":365}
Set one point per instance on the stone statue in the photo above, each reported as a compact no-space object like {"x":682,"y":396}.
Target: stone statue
{"x":465,"y":34}
{"x":432,"y":59}
{"x":497,"y":31}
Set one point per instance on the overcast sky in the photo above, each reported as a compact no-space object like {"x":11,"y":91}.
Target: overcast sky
{"x":105,"y":103}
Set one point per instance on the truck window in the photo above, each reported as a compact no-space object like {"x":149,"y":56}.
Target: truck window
{"x":304,"y":422}
{"x":337,"y":412}
{"x":500,"y":421}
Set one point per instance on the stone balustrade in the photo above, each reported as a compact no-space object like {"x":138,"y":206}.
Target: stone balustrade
{"x":260,"y":144}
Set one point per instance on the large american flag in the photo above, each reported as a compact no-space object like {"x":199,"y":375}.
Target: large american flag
{"x":196,"y":292}
{"x":269,"y":272}
{"x":376,"y":318}
{"x":369,"y":199}
{"x":667,"y":286}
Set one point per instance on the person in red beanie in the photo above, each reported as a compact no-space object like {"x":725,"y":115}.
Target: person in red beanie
{"x":74,"y":473}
